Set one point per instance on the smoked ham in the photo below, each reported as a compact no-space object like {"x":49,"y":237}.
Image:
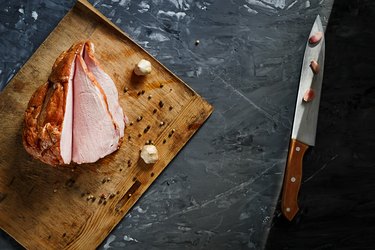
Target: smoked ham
{"x":75,"y":116}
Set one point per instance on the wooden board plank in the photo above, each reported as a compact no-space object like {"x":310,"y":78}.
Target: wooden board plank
{"x":47,"y":208}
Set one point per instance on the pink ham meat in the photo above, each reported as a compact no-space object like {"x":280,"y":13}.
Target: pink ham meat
{"x":76,"y":115}
{"x":48,"y":117}
{"x":95,"y":133}
{"x":107,"y":85}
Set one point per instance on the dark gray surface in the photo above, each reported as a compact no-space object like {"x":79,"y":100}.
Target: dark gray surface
{"x":338,"y":190}
{"x":220,"y":192}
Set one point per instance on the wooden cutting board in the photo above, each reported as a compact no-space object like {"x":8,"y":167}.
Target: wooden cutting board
{"x":52,"y":208}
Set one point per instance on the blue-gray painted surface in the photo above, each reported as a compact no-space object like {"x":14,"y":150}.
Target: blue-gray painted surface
{"x":221,"y":190}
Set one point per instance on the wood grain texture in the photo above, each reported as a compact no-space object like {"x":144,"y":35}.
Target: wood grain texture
{"x":50,"y":208}
{"x":292,"y":179}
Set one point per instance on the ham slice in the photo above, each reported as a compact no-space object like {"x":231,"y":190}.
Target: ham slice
{"x":107,"y":85}
{"x":75,"y":116}
{"x":95,"y":134}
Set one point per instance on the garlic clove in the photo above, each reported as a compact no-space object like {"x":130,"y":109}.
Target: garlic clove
{"x":309,"y":95}
{"x":316,"y":37}
{"x":149,"y":154}
{"x":314,"y":67}
{"x":142,"y":68}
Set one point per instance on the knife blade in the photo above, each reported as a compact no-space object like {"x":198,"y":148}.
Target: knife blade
{"x":305,"y":120}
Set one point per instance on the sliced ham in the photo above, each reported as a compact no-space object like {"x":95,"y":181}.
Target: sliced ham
{"x":49,"y":112}
{"x":75,"y":116}
{"x":107,"y":85}
{"x":66,"y":133}
{"x":95,"y":134}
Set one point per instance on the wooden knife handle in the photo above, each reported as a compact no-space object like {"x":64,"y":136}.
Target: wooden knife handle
{"x":292,"y":179}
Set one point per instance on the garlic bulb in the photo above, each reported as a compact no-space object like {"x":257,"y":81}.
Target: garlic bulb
{"x":149,"y":154}
{"x":142,"y":68}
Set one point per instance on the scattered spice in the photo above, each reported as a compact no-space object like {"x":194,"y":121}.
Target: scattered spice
{"x":161,"y":124}
{"x":171,"y":133}
{"x":55,"y":190}
{"x":64,"y":234}
{"x":104,"y":202}
{"x":111,"y":195}
{"x":131,"y":123}
{"x":91,"y":197}
{"x":161,"y":85}
{"x":139,"y":135}
{"x":139,"y":93}
{"x":107,"y":179}
{"x":161,"y":104}
{"x":154,"y":111}
{"x":143,"y":92}
{"x":149,"y":97}
{"x":152,"y":174}
{"x":117,"y":192}
{"x":164,"y":141}
{"x":170,"y":108}
{"x":126,"y":89}
{"x":147,"y":129}
{"x":139,"y":118}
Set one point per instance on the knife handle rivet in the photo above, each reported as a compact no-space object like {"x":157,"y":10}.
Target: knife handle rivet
{"x":288,"y":209}
{"x":293,"y":179}
{"x":298,"y":149}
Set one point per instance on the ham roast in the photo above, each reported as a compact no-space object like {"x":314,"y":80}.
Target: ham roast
{"x":75,"y":116}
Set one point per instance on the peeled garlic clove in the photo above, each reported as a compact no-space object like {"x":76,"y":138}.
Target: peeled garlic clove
{"x":314,"y":67}
{"x":309,"y":95}
{"x":149,"y":154}
{"x":316,"y":37}
{"x":142,"y":68}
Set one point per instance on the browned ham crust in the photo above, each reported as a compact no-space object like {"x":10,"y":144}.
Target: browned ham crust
{"x":45,"y":112}
{"x":75,"y":115}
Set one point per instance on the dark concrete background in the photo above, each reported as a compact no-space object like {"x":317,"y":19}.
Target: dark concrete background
{"x":220,"y":192}
{"x":338,"y":190}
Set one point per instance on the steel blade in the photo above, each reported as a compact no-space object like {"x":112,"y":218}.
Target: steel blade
{"x":306,"y":113}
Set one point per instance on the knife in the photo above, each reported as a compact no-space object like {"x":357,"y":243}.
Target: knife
{"x":305,"y":117}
